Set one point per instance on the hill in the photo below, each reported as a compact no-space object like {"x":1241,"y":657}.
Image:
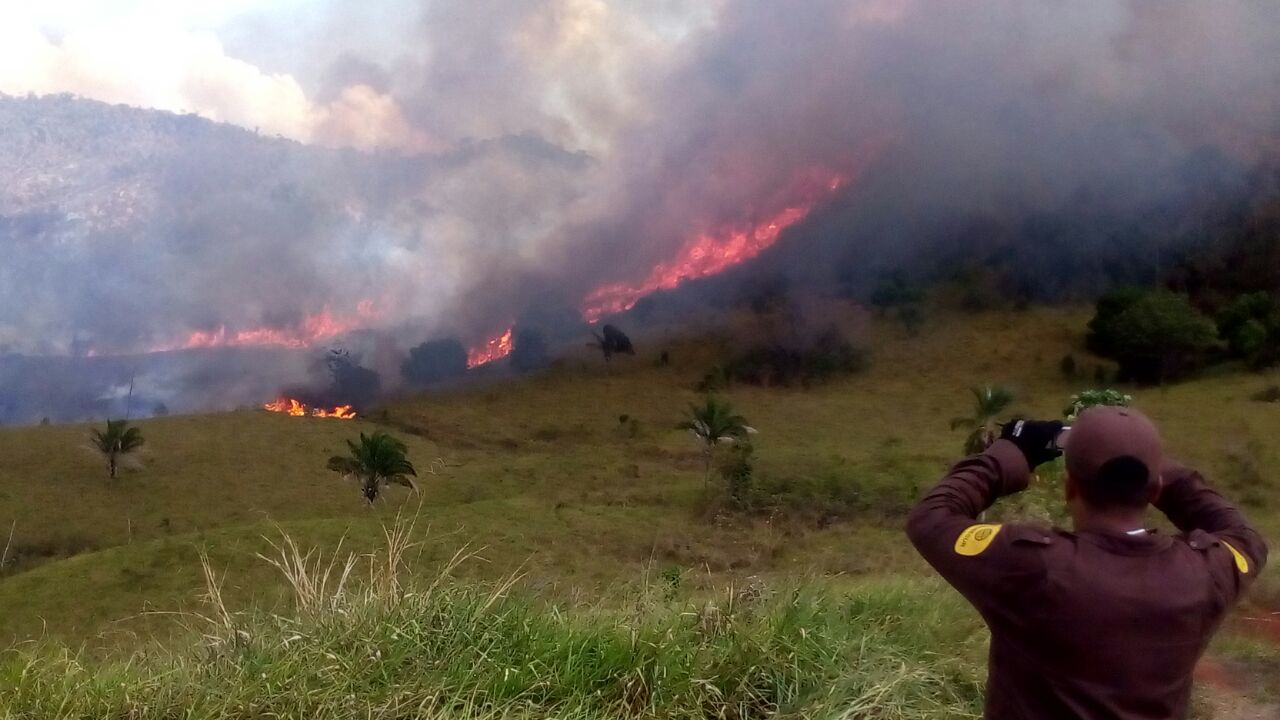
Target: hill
{"x":544,"y":475}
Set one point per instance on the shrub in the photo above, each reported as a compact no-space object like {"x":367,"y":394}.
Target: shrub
{"x":1157,"y":337}
{"x":1103,"y":335}
{"x":1086,"y":399}
{"x":1250,"y":325}
{"x":434,"y":361}
{"x":529,"y":351}
{"x":824,"y":357}
{"x":893,"y":290}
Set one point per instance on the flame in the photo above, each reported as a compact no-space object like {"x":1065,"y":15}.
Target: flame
{"x":314,"y":328}
{"x":706,"y":254}
{"x":493,"y":349}
{"x":295,"y":408}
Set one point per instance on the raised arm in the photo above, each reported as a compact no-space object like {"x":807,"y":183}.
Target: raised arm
{"x":1192,"y":505}
{"x":978,"y":559}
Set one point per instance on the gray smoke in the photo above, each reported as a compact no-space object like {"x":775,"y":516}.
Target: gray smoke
{"x":578,"y":142}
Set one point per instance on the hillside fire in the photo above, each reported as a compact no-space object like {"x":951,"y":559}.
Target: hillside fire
{"x":296,"y":408}
{"x":494,"y":348}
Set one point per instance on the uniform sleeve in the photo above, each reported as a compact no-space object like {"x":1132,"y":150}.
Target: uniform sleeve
{"x":985,"y":562}
{"x":1192,"y":505}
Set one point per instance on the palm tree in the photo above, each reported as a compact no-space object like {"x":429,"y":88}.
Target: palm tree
{"x":376,"y":460}
{"x":118,"y":440}
{"x":713,"y":423}
{"x":988,"y":402}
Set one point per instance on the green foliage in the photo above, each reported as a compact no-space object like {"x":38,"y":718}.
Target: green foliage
{"x":713,"y":423}
{"x":375,"y":461}
{"x":116,"y":441}
{"x":826,"y":356}
{"x":989,"y":401}
{"x":434,"y":361}
{"x":1103,"y":337}
{"x":1250,"y":325}
{"x":445,"y":649}
{"x":1086,"y":399}
{"x":738,"y":471}
{"x":1156,"y":337}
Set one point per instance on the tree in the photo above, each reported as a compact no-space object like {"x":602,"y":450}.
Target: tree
{"x":1250,"y":325}
{"x":118,"y":440}
{"x":1103,"y":335}
{"x":988,"y":402}
{"x":435,"y":360}
{"x":714,"y":423}
{"x":528,"y":351}
{"x":352,"y":383}
{"x":612,"y":341}
{"x":1161,"y":336}
{"x":377,"y":460}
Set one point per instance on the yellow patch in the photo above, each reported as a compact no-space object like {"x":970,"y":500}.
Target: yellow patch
{"x":1242,"y":562}
{"x":975,"y":539}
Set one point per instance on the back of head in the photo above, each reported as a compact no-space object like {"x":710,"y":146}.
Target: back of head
{"x":1113,"y":456}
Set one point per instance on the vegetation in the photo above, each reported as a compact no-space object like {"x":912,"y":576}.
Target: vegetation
{"x":544,"y":480}
{"x":989,"y":401}
{"x":118,"y":440}
{"x":435,"y":361}
{"x":713,"y":423}
{"x":1250,"y":325}
{"x":529,"y":350}
{"x":443,"y":649}
{"x":809,"y":361}
{"x":612,"y":341}
{"x":375,"y":461}
{"x":1155,"y":336}
{"x":1086,"y":399}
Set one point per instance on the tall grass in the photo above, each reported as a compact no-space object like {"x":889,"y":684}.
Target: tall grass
{"x":365,"y":642}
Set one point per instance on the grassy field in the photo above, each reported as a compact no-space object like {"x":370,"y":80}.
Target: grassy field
{"x":540,"y":476}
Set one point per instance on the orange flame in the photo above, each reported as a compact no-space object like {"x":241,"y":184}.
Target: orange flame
{"x":314,"y":328}
{"x":706,"y":254}
{"x":493,"y":349}
{"x":295,"y":408}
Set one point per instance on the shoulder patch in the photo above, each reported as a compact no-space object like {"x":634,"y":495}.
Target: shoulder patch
{"x":1242,"y":562}
{"x":975,"y":539}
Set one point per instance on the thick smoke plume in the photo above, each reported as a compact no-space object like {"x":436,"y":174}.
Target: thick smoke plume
{"x":557,"y":146}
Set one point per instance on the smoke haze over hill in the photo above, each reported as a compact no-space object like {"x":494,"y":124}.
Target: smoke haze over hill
{"x":545,"y":148}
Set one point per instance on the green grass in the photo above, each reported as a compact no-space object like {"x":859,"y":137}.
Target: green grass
{"x":445,"y":649}
{"x":541,"y":477}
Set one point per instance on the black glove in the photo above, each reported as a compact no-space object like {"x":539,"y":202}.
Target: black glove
{"x":1037,"y":439}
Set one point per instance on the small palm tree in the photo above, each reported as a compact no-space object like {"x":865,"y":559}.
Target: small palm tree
{"x":118,"y":440}
{"x":988,"y":402}
{"x":713,"y":423}
{"x":376,"y":460}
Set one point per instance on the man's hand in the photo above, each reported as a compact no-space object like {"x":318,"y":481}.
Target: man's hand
{"x":1037,"y":439}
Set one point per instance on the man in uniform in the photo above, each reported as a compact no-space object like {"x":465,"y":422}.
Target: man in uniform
{"x":1106,"y":620}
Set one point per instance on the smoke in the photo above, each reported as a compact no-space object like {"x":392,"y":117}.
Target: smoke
{"x":533,"y":151}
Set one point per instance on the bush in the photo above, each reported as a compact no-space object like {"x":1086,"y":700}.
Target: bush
{"x":1086,"y":399}
{"x":1158,"y":336}
{"x":1250,"y":325}
{"x":893,"y":290}
{"x":1067,"y":366}
{"x":825,"y":357}
{"x":529,"y":351}
{"x":1102,"y":337}
{"x":434,"y":361}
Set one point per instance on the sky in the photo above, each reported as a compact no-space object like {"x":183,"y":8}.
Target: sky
{"x":323,"y":71}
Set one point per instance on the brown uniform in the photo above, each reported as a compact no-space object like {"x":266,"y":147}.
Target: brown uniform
{"x":1089,"y":625}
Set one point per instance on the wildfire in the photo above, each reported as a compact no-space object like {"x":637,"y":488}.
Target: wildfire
{"x":493,"y":349}
{"x":295,"y":408}
{"x":312,"y":329}
{"x":704,"y":255}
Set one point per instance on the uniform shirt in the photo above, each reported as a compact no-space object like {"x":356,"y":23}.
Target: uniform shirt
{"x":1088,"y":625}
